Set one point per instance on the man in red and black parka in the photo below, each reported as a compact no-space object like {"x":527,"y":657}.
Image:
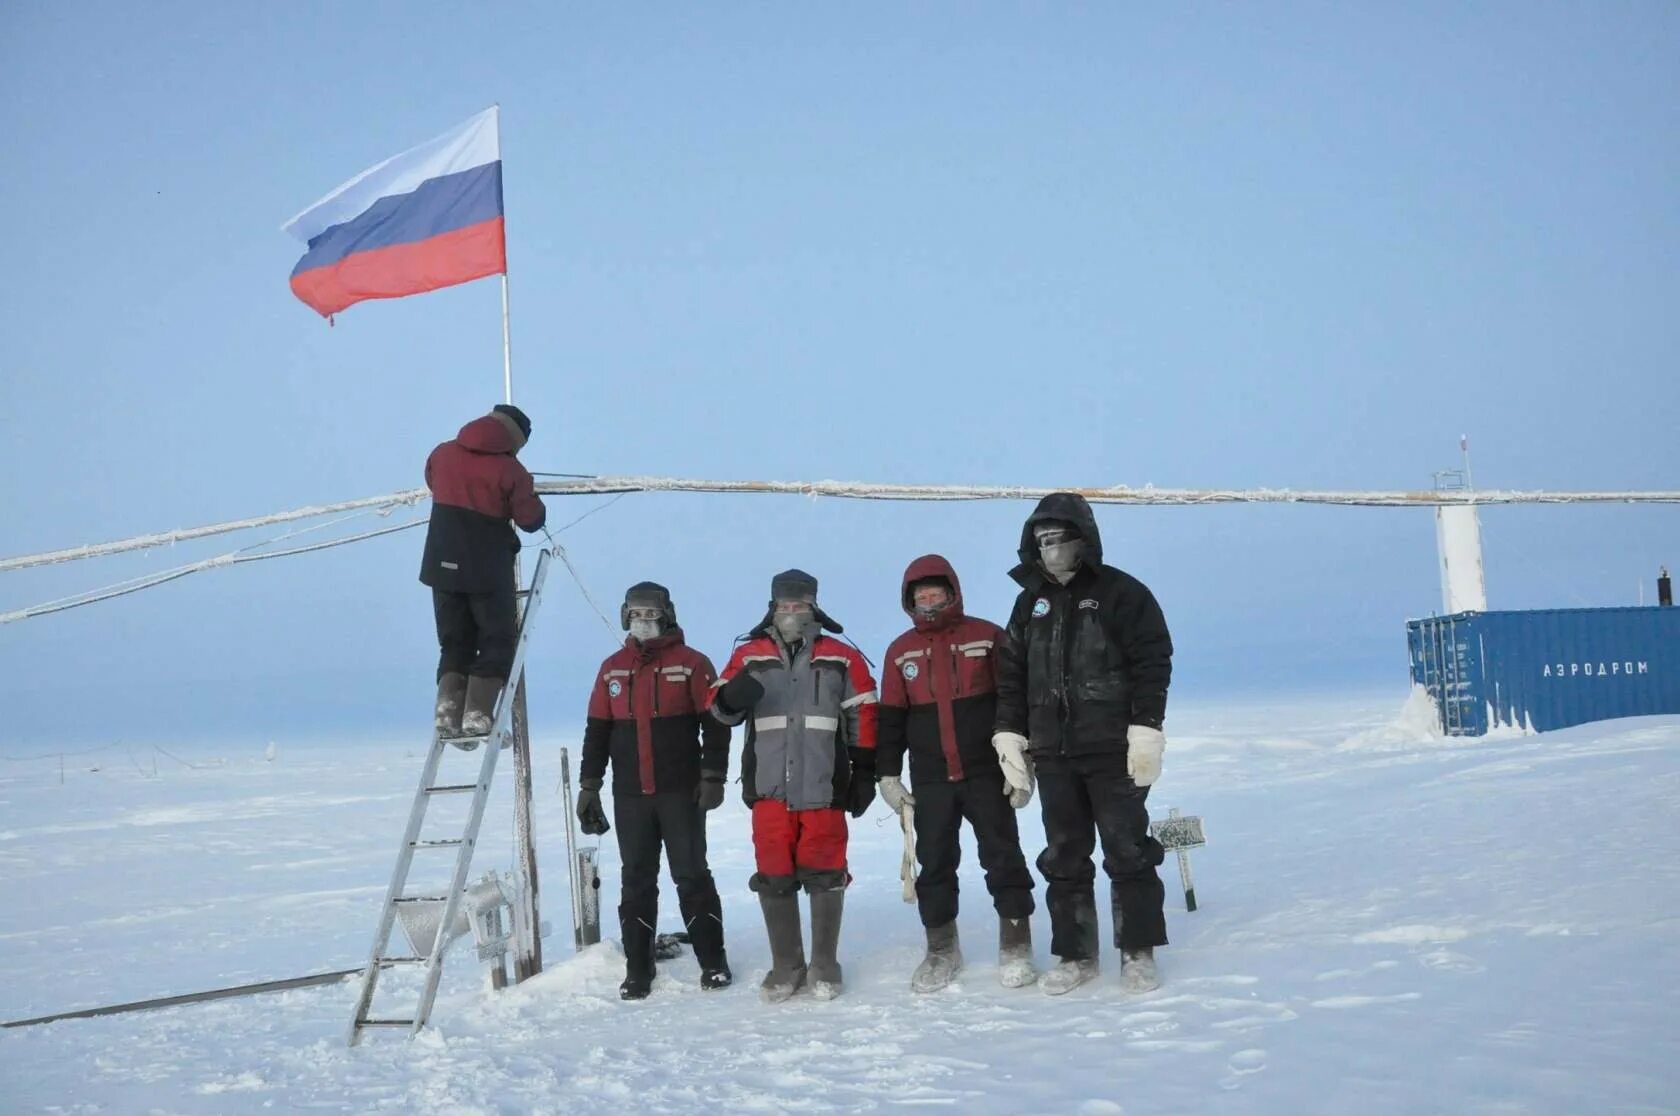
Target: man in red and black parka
{"x":477,"y":486}
{"x":939,"y":702}
{"x":669,"y":761}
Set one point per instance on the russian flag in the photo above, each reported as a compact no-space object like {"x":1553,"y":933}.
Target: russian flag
{"x":428,"y":218}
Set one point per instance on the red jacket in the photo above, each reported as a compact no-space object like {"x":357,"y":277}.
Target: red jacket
{"x":938,"y":688}
{"x":646,"y":716}
{"x":477,"y":485}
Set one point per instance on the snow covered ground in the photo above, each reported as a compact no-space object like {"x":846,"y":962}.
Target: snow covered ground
{"x":1389,"y":923}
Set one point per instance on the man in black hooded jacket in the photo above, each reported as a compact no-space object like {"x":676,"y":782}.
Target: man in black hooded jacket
{"x":1082,"y":694}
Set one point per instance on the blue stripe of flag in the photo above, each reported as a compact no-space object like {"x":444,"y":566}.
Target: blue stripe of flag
{"x":439,"y":205}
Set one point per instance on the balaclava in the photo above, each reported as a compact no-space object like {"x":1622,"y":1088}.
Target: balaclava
{"x":1059,"y":548}
{"x":793,"y":606}
{"x":654,"y":613}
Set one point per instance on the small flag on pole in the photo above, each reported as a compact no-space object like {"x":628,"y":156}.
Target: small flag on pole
{"x":428,"y":218}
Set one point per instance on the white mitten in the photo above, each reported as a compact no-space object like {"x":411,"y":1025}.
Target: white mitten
{"x":1011,"y":748}
{"x":894,"y":794}
{"x":1144,"y":746}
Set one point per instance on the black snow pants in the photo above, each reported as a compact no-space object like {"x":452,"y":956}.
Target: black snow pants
{"x":941,"y":808}
{"x":675,"y":821}
{"x":476,"y":631}
{"x":1084,"y":798}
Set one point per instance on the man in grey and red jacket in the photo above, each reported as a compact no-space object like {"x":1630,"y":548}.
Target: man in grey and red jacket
{"x":938,"y":703}
{"x":669,"y":760}
{"x":1082,"y":694}
{"x":809,"y":759}
{"x":477,"y":486}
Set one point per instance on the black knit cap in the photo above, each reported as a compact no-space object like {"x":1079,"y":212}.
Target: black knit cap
{"x":519,"y":417}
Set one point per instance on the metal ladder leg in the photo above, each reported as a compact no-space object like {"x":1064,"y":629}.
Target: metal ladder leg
{"x":493,"y":742}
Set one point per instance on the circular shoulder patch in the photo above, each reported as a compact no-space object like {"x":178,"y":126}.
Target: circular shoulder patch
{"x":1041,"y":607}
{"x":614,"y":688}
{"x":910,"y":672}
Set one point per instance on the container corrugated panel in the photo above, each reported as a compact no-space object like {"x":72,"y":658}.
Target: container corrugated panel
{"x":1548,"y":668}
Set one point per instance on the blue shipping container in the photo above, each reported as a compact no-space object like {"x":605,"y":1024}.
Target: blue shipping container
{"x":1548,"y":668}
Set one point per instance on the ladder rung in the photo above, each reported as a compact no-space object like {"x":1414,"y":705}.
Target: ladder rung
{"x":459,"y":740}
{"x":444,"y":844}
{"x":452,"y":788}
{"x":421,"y":899}
{"x":387,"y":962}
{"x":384,"y":1022}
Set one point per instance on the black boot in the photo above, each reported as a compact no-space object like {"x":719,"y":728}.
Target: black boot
{"x":826,"y":908}
{"x":638,"y":959}
{"x":451,"y":696}
{"x":703,"y":918}
{"x":481,"y":707}
{"x":787,"y":946}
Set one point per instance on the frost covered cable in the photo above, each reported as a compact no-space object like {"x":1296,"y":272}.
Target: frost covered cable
{"x":150,"y":581}
{"x":61,"y":755}
{"x":603,"y":506}
{"x":565,"y":558}
{"x":329,"y":544}
{"x":166,"y":538}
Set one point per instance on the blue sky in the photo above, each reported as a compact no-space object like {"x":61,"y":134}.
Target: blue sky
{"x":1192,"y":245}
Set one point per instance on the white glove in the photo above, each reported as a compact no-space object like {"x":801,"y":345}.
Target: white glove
{"x":894,"y":794}
{"x":1011,"y":748}
{"x":1144,"y":746}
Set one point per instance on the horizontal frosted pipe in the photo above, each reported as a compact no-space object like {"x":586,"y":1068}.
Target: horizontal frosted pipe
{"x":859,"y":490}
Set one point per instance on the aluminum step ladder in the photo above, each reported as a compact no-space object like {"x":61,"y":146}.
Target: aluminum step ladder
{"x":500,"y":736}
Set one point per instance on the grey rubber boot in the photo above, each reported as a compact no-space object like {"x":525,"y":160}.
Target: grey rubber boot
{"x":481,"y":707}
{"x":826,"y":908}
{"x":943,"y":961}
{"x":451,"y":700}
{"x":1072,"y":971}
{"x":1015,"y":960}
{"x":787,"y":947}
{"x":1138,"y":972}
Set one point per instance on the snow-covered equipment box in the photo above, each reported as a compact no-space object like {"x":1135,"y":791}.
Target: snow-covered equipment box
{"x":1547,"y":668}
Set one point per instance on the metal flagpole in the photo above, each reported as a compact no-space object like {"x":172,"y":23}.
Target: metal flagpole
{"x":507,"y":345}
{"x":527,"y":927}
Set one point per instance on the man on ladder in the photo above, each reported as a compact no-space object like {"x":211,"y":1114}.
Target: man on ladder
{"x":477,"y":486}
{"x":669,"y":760}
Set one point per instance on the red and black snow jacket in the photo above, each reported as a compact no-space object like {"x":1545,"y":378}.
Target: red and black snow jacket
{"x":938,"y":688}
{"x":646,"y":716}
{"x":477,"y":485}
{"x":814,"y":725}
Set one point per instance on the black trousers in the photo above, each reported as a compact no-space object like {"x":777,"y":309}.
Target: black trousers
{"x":476,"y":631}
{"x":674,"y":821}
{"x":1085,"y":798}
{"x":941,"y":808}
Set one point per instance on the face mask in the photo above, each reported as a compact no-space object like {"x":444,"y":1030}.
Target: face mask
{"x":643,"y":630}
{"x":1059,"y":549}
{"x":795,"y":626}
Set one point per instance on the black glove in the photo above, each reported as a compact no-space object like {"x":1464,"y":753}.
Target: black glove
{"x":590,"y":816}
{"x":740,"y":693}
{"x":861,"y":792}
{"x":709,"y":794}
